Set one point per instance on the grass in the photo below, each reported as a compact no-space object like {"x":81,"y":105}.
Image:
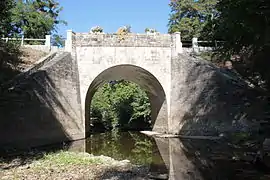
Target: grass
{"x":16,"y":60}
{"x":57,"y":165}
{"x":64,"y":158}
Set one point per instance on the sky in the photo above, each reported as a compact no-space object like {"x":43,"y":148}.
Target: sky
{"x":82,"y":15}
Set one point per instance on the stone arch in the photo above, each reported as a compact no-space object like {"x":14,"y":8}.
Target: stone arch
{"x":140,"y":76}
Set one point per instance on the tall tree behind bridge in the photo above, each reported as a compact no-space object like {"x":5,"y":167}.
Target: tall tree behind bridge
{"x":190,"y":16}
{"x":244,"y":25}
{"x":5,"y":17}
{"x":36,"y":18}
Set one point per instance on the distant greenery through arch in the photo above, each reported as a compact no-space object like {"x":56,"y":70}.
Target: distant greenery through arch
{"x":120,"y":105}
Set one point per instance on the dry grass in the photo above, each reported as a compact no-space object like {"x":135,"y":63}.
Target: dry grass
{"x":29,"y":56}
{"x":14,"y":60}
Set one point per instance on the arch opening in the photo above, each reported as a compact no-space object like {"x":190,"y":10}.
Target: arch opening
{"x":120,"y":105}
{"x":141,"y":77}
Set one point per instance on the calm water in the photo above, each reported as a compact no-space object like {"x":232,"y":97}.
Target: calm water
{"x":134,"y":146}
{"x":181,"y":159}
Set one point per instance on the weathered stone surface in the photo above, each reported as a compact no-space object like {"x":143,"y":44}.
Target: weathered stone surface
{"x":205,"y":101}
{"x":149,"y":67}
{"x":43,"y":108}
{"x":131,"y":40}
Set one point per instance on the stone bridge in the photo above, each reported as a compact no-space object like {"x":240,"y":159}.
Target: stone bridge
{"x":140,"y":58}
{"x":51,"y":102}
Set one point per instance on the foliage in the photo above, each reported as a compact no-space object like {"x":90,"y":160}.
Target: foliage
{"x":189,"y":16}
{"x":31,"y":18}
{"x":241,"y":27}
{"x":128,"y":28}
{"x":122,"y":104}
{"x":133,"y":146}
{"x":36,"y":18}
{"x":143,"y":149}
{"x":146,"y":30}
{"x":9,"y":53}
{"x":122,"y":32}
{"x":96,"y":29}
{"x":244,"y":26}
{"x":5,"y":17}
{"x":58,"y":40}
{"x":150,"y":30}
{"x":124,"y":29}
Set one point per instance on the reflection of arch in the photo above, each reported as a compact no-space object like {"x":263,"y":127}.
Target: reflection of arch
{"x":141,"y":77}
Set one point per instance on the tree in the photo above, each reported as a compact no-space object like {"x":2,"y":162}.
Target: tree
{"x":190,"y":16}
{"x":58,"y":40}
{"x":5,"y":17}
{"x":244,"y":26}
{"x":121,"y":104}
{"x":36,"y":18}
{"x":8,"y":52}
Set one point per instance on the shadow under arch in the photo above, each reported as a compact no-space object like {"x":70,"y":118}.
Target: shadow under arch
{"x":140,"y":76}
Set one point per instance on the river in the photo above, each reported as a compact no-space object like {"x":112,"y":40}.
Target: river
{"x":176,"y":158}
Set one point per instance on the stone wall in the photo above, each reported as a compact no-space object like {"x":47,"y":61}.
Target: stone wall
{"x":44,"y":107}
{"x":25,"y":73}
{"x":207,"y":101}
{"x":131,"y":40}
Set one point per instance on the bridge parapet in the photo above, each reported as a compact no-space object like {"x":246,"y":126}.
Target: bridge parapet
{"x":129,"y":40}
{"x":172,"y":41}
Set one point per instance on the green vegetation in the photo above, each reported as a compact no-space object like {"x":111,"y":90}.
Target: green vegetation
{"x":64,"y":158}
{"x":133,"y":146}
{"x":247,"y":35}
{"x":6,"y":17}
{"x":241,"y":26}
{"x":28,"y":18}
{"x":121,"y":104}
{"x":190,"y":17}
{"x":36,"y":18}
{"x":31,"y":18}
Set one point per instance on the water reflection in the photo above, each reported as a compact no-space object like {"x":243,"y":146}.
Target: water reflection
{"x":134,"y":146}
{"x":172,"y":158}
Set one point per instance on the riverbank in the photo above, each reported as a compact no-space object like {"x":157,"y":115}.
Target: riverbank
{"x":68,"y":165}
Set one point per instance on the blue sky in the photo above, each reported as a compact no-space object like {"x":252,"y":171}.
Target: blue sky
{"x":81,"y":15}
